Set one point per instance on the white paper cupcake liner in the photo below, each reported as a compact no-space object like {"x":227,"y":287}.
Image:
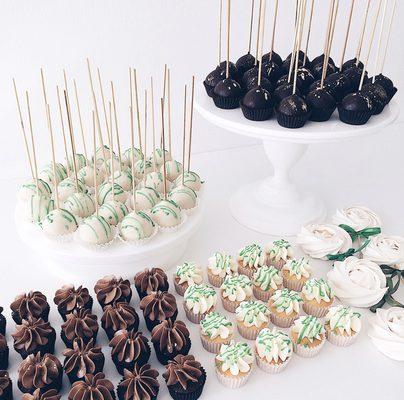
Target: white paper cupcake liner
{"x":249,"y":333}
{"x":246,"y":271}
{"x":60,"y":238}
{"x":229,"y":305}
{"x":282,"y":322}
{"x":293,"y":284}
{"x":271,"y":368}
{"x":190,"y":211}
{"x":196,"y":318}
{"x":179,"y":288}
{"x":211,"y":346}
{"x":173,"y":229}
{"x":307,"y":352}
{"x":263,"y":295}
{"x":340,"y":340}
{"x":137,"y":242}
{"x":232,"y":382}
{"x":97,"y":247}
{"x":276,"y":264}
{"x":215,"y":280}
{"x":314,"y":310}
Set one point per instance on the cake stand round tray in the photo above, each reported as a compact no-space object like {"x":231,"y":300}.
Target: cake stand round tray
{"x":75,"y":263}
{"x":276,"y":205}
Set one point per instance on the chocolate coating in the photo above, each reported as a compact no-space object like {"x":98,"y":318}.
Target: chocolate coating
{"x":321,"y":104}
{"x":284,"y":91}
{"x":244,"y":63}
{"x":265,"y":84}
{"x":355,"y":109}
{"x":227,"y":94}
{"x":275,"y":57}
{"x":213,"y":78}
{"x":320,"y":59}
{"x":292,"y":112}
{"x":354,"y":74}
{"x":387,"y":84}
{"x":257,"y":104}
{"x":339,"y":85}
{"x":352,"y":63}
{"x":378,"y":96}
{"x":317,"y":69}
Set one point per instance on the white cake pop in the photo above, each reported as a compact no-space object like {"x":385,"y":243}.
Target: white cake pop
{"x":154,"y":180}
{"x":191,"y":180}
{"x":158,"y":157}
{"x":137,"y":226}
{"x":113,"y":211}
{"x":95,"y":230}
{"x":47,"y":173}
{"x":139,"y":168}
{"x":173,"y":169}
{"x":80,"y":204}
{"x":59,"y":222}
{"x":81,"y":162}
{"x":146,"y":199}
{"x":184,"y":196}
{"x":100,"y":154}
{"x":68,"y":187}
{"x":86,"y":174}
{"x":127,"y":156}
{"x":105,"y":193}
{"x":166,"y":214}
{"x":123,"y":178}
{"x":37,"y":207}
{"x":108,"y":165}
{"x":29,"y":188}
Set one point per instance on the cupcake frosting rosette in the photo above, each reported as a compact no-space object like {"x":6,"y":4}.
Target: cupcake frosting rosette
{"x":317,"y":297}
{"x":235,"y":289}
{"x":266,"y":281}
{"x":278,"y":253}
{"x":186,"y":275}
{"x":220,"y":265}
{"x":199,"y":300}
{"x":284,"y":305}
{"x":216,"y":330}
{"x":250,"y":258}
{"x":295,"y":273}
{"x":252,"y":316}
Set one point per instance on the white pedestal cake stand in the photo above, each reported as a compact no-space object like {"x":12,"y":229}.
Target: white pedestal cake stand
{"x":276,"y":205}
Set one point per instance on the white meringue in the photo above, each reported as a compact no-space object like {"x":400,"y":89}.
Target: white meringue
{"x":357,"y":217}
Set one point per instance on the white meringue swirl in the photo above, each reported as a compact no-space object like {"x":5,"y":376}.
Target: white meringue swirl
{"x":357,"y":217}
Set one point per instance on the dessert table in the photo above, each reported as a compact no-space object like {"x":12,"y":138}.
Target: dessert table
{"x":359,"y":371}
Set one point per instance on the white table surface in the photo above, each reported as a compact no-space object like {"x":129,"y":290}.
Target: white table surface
{"x":365,"y":172}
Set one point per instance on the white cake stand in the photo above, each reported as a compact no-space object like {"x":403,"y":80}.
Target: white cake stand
{"x":276,"y":205}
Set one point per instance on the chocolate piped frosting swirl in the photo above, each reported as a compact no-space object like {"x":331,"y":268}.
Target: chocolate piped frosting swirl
{"x":83,"y":359}
{"x":170,"y":336}
{"x":119,"y":316}
{"x":158,"y":306}
{"x":139,"y":384}
{"x":80,"y":324}
{"x":48,"y":395}
{"x":4,"y":381}
{"x":151,"y":280}
{"x":94,"y":387}
{"x":183,"y":370}
{"x":112,"y":289}
{"x":128,"y":345}
{"x":68,"y":298}
{"x":32,"y":304}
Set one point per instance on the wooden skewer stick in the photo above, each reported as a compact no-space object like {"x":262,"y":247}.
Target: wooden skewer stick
{"x":24,"y":134}
{"x":191,"y":122}
{"x":63,"y":130}
{"x":57,"y":201}
{"x":103,"y":100}
{"x":228,"y":39}
{"x":164,"y":98}
{"x":393,"y":13}
{"x":169,"y":109}
{"x":164,"y":150}
{"x":261,"y":38}
{"x":274,"y":28}
{"x":153,"y":124}
{"x":132,"y":141}
{"x":258,"y":34}
{"x":251,"y":26}
{"x":118,"y":141}
{"x":330,"y":41}
{"x":95,"y":166}
{"x":379,"y":44}
{"x":145,"y":136}
{"x":372,"y":36}
{"x":220,"y":33}
{"x":362,"y":35}
{"x":184,"y":134}
{"x":301,"y":12}
{"x":80,"y":119}
{"x":308,"y":32}
{"x":348,"y":30}
{"x":32,"y":142}
{"x":111,"y":151}
{"x":139,"y":128}
{"x":292,"y":59}
{"x":44,"y":90}
{"x":327,"y":41}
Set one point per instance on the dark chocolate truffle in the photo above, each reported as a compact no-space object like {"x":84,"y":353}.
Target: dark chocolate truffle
{"x":271,"y":71}
{"x":140,"y":383}
{"x":93,"y":387}
{"x":33,"y":336}
{"x":338,"y":85}
{"x":378,"y":96}
{"x":69,"y":299}
{"x":286,"y":65}
{"x":119,"y":316}
{"x":112,"y":289}
{"x":79,"y":324}
{"x":129,"y":348}
{"x":32,"y":304}
{"x":320,"y":59}
{"x":317,"y":69}
{"x":265,"y":84}
{"x":3,"y":322}
{"x":275,"y":57}
{"x":257,"y":104}
{"x":83,"y":359}
{"x":355,"y":109}
{"x":4,"y":352}
{"x":354,"y":74}
{"x":151,"y":280}
{"x":352,"y":63}
{"x":387,"y":84}
{"x":292,"y":112}
{"x":244,"y":63}
{"x":284,"y":91}
{"x":321,"y":104}
{"x":51,"y":394}
{"x":6,"y":386}
{"x":227,"y":94}
{"x":213,"y":78}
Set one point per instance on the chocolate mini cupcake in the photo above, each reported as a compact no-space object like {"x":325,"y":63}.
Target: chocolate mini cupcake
{"x":38,"y":395}
{"x":32,"y":304}
{"x":83,"y":359}
{"x":112,"y":289}
{"x":33,"y":336}
{"x":157,"y":307}
{"x":4,"y":352}
{"x":140,"y":383}
{"x":170,"y":339}
{"x":119,"y":316}
{"x":92,"y":387}
{"x":3,"y":322}
{"x":129,"y":348}
{"x":6,"y":386}
{"x":80,"y":324}
{"x":151,"y":280}
{"x":40,"y":372}
{"x":69,"y":299}
{"x":185,"y":378}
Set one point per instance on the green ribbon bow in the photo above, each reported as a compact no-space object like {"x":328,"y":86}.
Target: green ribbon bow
{"x":349,"y":253}
{"x":364,"y":233}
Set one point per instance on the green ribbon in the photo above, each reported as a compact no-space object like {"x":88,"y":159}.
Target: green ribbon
{"x":349,"y":253}
{"x":364,"y":233}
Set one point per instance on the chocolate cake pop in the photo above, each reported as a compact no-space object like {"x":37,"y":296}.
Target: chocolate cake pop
{"x":272,"y":55}
{"x":387,"y":84}
{"x":378,"y":96}
{"x":355,"y":109}
{"x":338,"y":84}
{"x":275,"y":58}
{"x":321,"y":103}
{"x":352,"y":63}
{"x":265,"y":83}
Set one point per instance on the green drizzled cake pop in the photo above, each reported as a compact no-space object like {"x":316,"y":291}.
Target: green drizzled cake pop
{"x":47,"y":173}
{"x":30,"y":188}
{"x":67,"y":187}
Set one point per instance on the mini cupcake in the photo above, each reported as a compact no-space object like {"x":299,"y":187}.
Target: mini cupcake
{"x":278,"y":252}
{"x":4,"y":352}
{"x":342,"y":325}
{"x":3,"y":322}
{"x":33,"y":336}
{"x":252,"y":316}
{"x":199,"y":300}
{"x":157,"y":307}
{"x":32,"y":304}
{"x":170,"y":339}
{"x":82,"y":359}
{"x":151,"y":280}
{"x":216,"y":330}
{"x":186,"y":275}
{"x":6,"y":386}
{"x":92,"y":386}
{"x":266,"y":281}
{"x":233,"y":364}
{"x":119,"y":316}
{"x":139,"y":384}
{"x":111,"y":289}
{"x":273,"y":350}
{"x":308,"y":336}
{"x":80,"y":324}
{"x":220,"y":265}
{"x":296,"y":273}
{"x":129,"y":348}
{"x":284,"y":306}
{"x":235,"y":289}
{"x":51,"y":394}
{"x":317,"y":297}
{"x":250,"y":258}
{"x":185,"y":378}
{"x":69,"y":299}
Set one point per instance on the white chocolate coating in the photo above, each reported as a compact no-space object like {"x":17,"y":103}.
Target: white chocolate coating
{"x":166,"y":214}
{"x":173,"y":170}
{"x":59,"y":222}
{"x":80,"y":204}
{"x":68,"y":187}
{"x":113,"y":211}
{"x":137,"y":226}
{"x":29,"y":188}
{"x":184,"y":196}
{"x":86,"y":174}
{"x":95,"y":230}
{"x":37,"y":207}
